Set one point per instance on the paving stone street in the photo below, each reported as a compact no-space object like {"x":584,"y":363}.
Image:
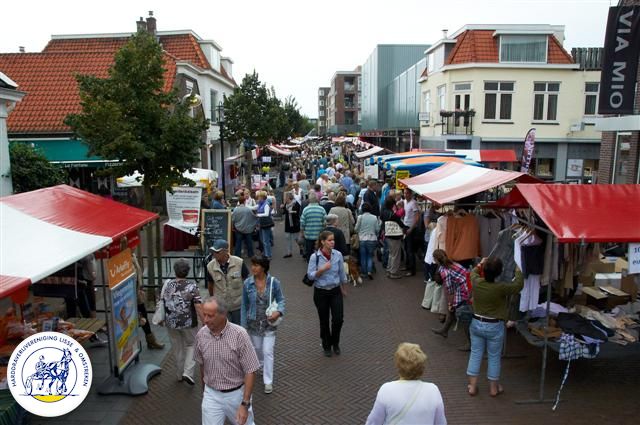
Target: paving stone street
{"x":312,"y":389}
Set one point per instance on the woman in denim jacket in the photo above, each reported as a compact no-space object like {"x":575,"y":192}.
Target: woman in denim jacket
{"x":258,"y":292}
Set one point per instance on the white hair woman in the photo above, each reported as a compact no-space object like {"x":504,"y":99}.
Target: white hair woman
{"x":408,"y":400}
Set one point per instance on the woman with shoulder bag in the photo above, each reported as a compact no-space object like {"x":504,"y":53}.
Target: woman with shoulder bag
{"x":183,"y":309}
{"x":265,"y":221}
{"x":262,"y":310}
{"x":394,"y":230}
{"x":367,"y":228}
{"x":291,"y":210}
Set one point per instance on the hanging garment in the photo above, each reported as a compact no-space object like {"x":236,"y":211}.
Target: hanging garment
{"x":441,"y":228}
{"x":489,"y":230}
{"x":463,"y":238}
{"x":431,"y":246}
{"x":504,"y":251}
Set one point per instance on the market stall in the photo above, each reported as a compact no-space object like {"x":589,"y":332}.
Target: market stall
{"x":572,"y":218}
{"x":202,"y":177}
{"x":423,"y":164}
{"x":49,"y":229}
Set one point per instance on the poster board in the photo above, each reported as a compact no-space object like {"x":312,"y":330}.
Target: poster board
{"x":125,"y":341}
{"x":401,"y":174}
{"x":574,"y":167}
{"x":634,"y":258}
{"x":183,"y":208}
{"x":371,"y":171}
{"x":215,"y":224}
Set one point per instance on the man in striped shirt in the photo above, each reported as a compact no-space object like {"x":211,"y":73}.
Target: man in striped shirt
{"x":312,"y":221}
{"x":228,"y":363}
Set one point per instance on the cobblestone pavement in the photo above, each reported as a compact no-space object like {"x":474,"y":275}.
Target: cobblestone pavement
{"x":312,"y":389}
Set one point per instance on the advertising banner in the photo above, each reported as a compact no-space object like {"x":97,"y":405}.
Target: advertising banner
{"x":124,"y":310}
{"x":527,"y":150}
{"x":183,"y":208}
{"x":620,"y":61}
{"x":401,"y":174}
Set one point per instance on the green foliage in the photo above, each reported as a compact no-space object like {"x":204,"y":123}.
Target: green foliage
{"x":31,"y":170}
{"x":127,"y":116}
{"x":254,"y":112}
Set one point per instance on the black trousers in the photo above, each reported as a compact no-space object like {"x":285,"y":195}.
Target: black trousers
{"x":309,"y":248}
{"x":330,"y":309}
{"x":410,"y":254}
{"x":142,"y":312}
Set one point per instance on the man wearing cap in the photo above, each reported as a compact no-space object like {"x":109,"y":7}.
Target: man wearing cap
{"x":228,"y":273}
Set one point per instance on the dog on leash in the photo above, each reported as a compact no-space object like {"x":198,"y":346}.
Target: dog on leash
{"x":354,"y":271}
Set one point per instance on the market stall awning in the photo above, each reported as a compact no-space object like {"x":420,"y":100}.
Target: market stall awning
{"x":480,"y":155}
{"x":371,"y":151}
{"x":584,"y":212}
{"x":279,"y":151}
{"x":201,"y":176}
{"x":46,"y":230}
{"x":454,"y":181}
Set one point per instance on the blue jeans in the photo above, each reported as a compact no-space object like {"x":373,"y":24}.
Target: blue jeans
{"x":248,"y":241}
{"x":367,"y":251}
{"x":266,"y":236}
{"x":491,"y":336}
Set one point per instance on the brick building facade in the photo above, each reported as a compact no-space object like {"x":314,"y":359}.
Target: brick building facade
{"x":619,"y":152}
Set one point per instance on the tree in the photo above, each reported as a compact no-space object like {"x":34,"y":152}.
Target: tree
{"x":128,"y":117}
{"x":31,"y":170}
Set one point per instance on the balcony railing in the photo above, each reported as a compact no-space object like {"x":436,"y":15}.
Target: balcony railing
{"x":457,"y":122}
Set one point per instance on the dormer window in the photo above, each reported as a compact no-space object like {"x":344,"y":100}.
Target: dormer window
{"x":523,"y":48}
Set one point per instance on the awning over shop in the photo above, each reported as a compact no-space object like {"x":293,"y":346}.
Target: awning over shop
{"x":234,"y":157}
{"x":279,"y":151}
{"x":454,"y":181}
{"x":70,"y":152}
{"x":46,"y":230}
{"x":202,"y":176}
{"x":583,"y":212}
{"x":371,"y":151}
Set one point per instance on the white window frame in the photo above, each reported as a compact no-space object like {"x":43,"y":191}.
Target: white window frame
{"x":499,"y":92}
{"x":545,"y":105}
{"x":427,"y":106}
{"x":458,"y":91}
{"x":590,"y":93}
{"x":546,"y":49}
{"x":442,"y":97}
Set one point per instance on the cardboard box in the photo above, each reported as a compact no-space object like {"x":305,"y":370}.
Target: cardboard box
{"x":608,"y":279}
{"x":628,"y":284}
{"x":605,"y":298}
{"x":603,"y":266}
{"x":621,"y":264}
{"x":587,"y":278}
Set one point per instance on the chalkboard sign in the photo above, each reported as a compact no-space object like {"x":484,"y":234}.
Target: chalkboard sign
{"x":215,"y":224}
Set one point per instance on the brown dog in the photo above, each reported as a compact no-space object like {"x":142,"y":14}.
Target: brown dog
{"x":354,"y":271}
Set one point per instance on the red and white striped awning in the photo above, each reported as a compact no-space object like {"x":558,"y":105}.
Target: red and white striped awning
{"x":46,"y":230}
{"x":279,"y":151}
{"x":371,"y":151}
{"x":454,"y":181}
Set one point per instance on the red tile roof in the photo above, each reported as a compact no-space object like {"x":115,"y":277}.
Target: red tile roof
{"x":51,"y":87}
{"x":477,"y":46}
{"x":184,"y":47}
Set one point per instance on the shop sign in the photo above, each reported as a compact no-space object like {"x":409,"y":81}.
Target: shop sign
{"x":401,"y":174}
{"x":574,"y":167}
{"x":120,"y":267}
{"x":634,"y":258}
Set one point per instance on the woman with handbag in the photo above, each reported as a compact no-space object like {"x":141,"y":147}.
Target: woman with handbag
{"x":367,"y":228}
{"x":261,"y":313}
{"x":183,"y":309}
{"x":394,"y":230}
{"x":265,"y":222}
{"x":292,"y":210}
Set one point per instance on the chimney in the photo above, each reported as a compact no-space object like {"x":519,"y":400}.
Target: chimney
{"x":21,"y":49}
{"x":444,"y":33}
{"x":151,"y":24}
{"x":141,"y":25}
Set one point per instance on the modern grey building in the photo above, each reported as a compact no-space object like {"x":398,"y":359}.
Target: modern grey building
{"x":391,"y":94}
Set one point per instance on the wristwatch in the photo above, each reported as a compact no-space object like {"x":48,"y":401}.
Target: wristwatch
{"x":246,"y":404}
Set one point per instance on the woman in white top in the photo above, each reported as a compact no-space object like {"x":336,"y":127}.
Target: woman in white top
{"x":408,"y":400}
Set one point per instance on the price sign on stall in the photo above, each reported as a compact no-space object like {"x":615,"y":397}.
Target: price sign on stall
{"x":402,"y":174}
{"x":634,"y":258}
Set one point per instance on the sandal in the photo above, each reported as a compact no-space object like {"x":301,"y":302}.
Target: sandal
{"x":473,"y":391}
{"x":500,"y":391}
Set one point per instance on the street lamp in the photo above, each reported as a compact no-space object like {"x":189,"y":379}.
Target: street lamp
{"x":220,"y":109}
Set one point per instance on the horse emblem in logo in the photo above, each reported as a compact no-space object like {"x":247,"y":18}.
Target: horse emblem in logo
{"x":49,"y":374}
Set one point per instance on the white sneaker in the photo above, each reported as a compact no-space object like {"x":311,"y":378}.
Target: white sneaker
{"x":268,"y":388}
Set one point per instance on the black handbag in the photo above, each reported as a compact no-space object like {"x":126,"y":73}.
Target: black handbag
{"x":306,"y":279}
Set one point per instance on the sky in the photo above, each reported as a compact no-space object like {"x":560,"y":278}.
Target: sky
{"x":297,"y":46}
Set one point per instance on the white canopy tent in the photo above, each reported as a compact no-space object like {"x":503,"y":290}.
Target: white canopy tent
{"x":202,"y":177}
